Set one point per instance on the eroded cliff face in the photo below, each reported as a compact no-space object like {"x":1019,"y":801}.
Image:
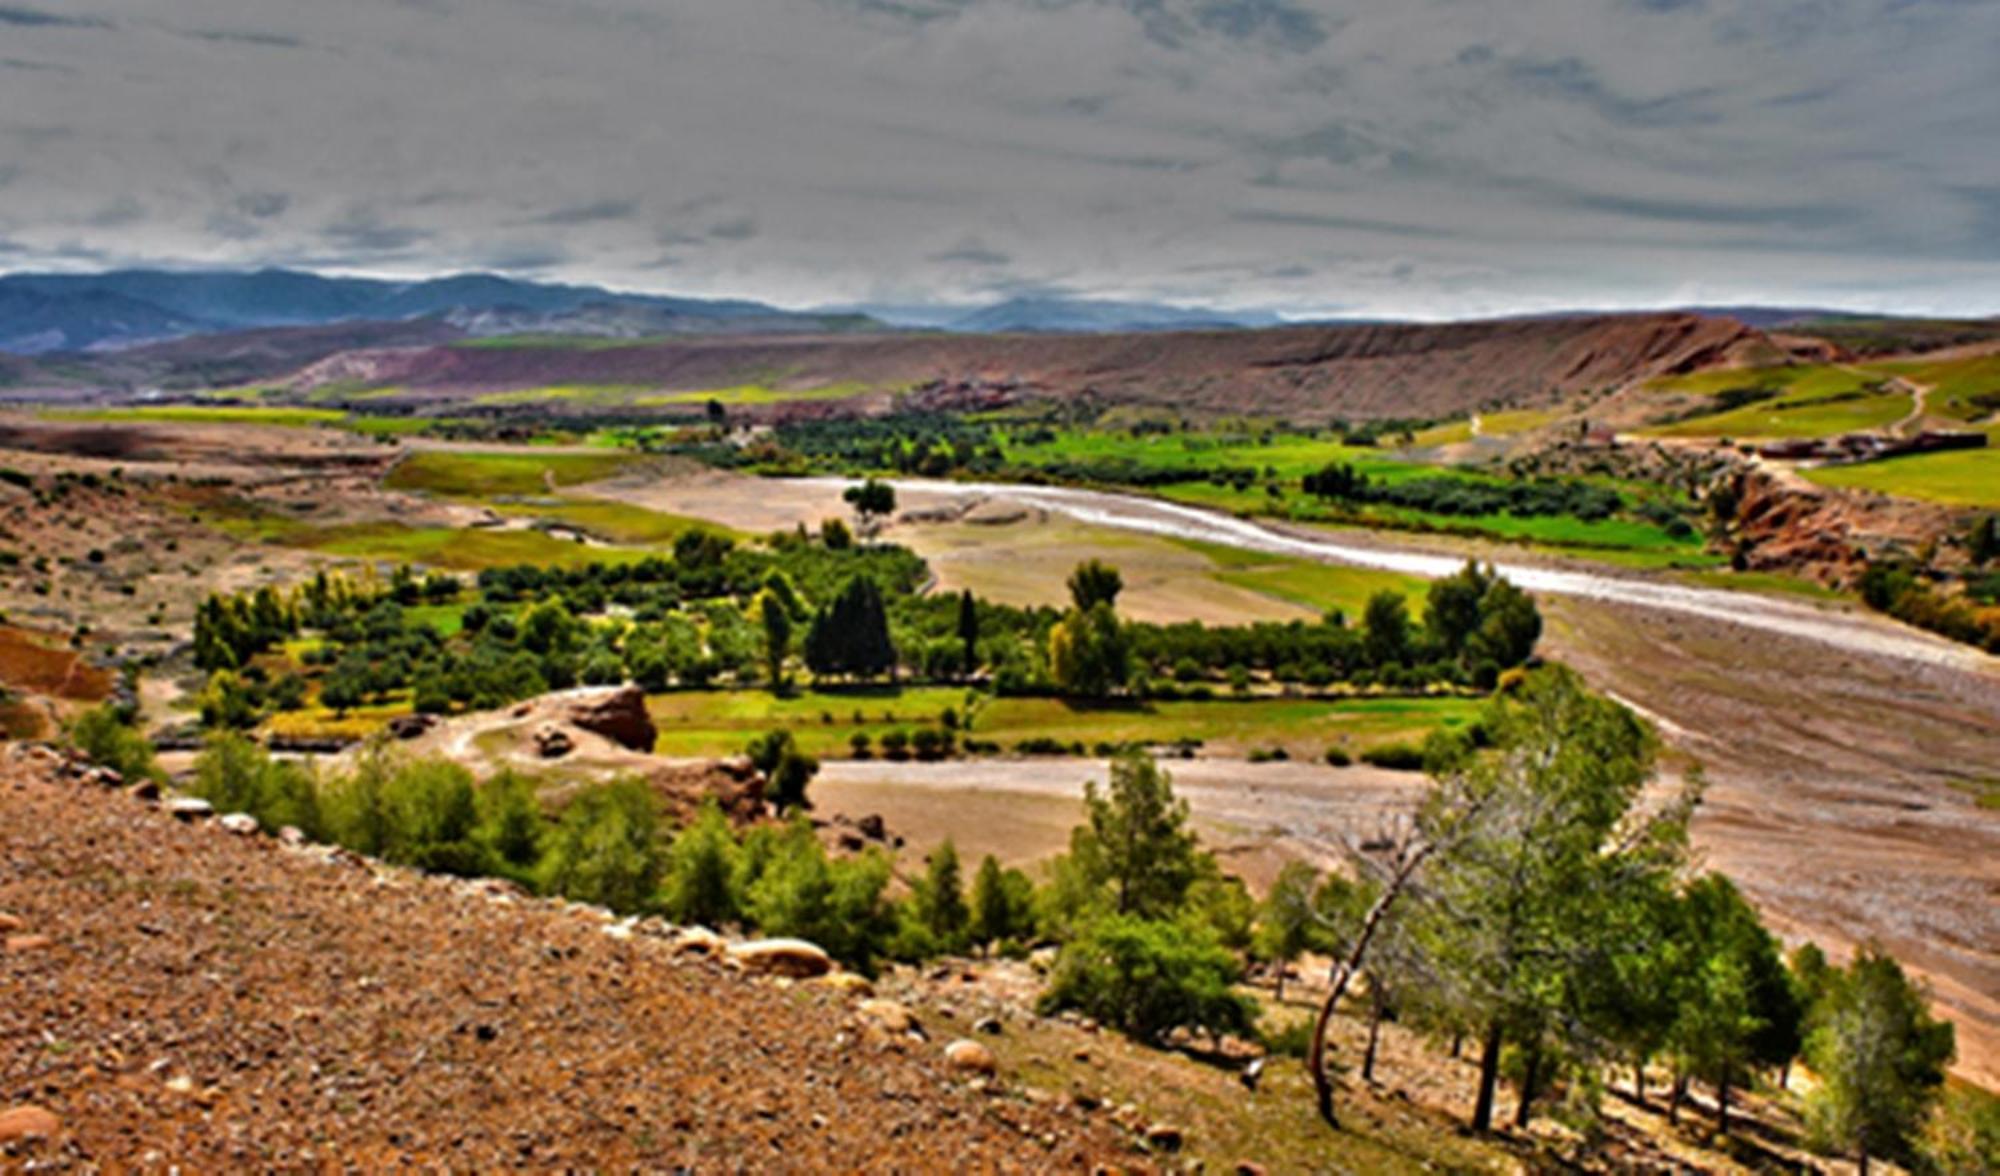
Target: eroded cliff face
{"x":1781,"y":522}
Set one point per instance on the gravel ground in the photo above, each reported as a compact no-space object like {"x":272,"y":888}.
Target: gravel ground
{"x":221,"y":1002}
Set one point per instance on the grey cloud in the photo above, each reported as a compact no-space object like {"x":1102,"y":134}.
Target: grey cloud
{"x":1577,"y":80}
{"x":27,"y":66}
{"x":253,"y":39}
{"x":971,"y":253}
{"x":125,"y":210}
{"x":262,"y":205}
{"x":737,"y":228}
{"x":586,"y":214}
{"x":525,"y":259}
{"x":363,"y":231}
{"x":35,"y":18}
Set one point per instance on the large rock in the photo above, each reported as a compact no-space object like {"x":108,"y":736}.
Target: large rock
{"x":782,"y":957}
{"x":27,"y":1122}
{"x":616,"y":712}
{"x":970,"y":1057}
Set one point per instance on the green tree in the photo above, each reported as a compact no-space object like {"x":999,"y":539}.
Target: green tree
{"x":851,"y":636}
{"x":1003,"y":903}
{"x":236,"y":775}
{"x":872,"y":499}
{"x":605,"y":847}
{"x":1385,"y":629}
{"x":1135,"y":844}
{"x":1286,"y":926}
{"x":1089,"y":653}
{"x":1146,"y":977}
{"x":1736,"y":1009}
{"x":1094,"y":582}
{"x":1880,"y":1058}
{"x":103,"y":734}
{"x":1545,"y":848}
{"x":510,"y":825}
{"x":777,"y":621}
{"x":701,"y":871}
{"x":787,"y":770}
{"x":968,"y":634}
{"x":939,"y":900}
{"x":227,"y":701}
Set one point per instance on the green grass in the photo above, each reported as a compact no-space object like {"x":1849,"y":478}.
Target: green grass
{"x":485,"y":475}
{"x":613,"y":522}
{"x":1961,"y":389}
{"x":1491,"y":424}
{"x":453,"y":548}
{"x":744,"y":394}
{"x":199,"y":414}
{"x":720,"y":722}
{"x":447,"y":619}
{"x":1775,"y":583}
{"x":1959,"y":477}
{"x":1320,"y":587}
{"x":1305,"y":727}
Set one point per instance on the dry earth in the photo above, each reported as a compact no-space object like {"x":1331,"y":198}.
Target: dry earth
{"x":180,"y":995}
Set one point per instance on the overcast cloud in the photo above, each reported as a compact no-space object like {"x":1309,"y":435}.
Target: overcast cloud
{"x":1396,"y":157}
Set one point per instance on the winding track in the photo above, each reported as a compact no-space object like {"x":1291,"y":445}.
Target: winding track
{"x":1852,"y":632}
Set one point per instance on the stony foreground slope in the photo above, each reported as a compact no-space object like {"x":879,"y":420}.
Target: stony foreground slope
{"x":180,"y":994}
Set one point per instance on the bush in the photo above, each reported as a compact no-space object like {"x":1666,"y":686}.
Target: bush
{"x":700,"y":884}
{"x":896,"y":744}
{"x":838,"y":905}
{"x":1338,"y":757}
{"x":103,"y":734}
{"x":1396,"y":757}
{"x":1146,"y":977}
{"x":237,"y":776}
{"x":605,"y":848}
{"x":431,"y":816}
{"x":510,"y":825}
{"x":787,"y":769}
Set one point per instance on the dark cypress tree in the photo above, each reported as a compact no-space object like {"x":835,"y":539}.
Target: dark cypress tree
{"x":968,"y":632}
{"x":851,"y":636}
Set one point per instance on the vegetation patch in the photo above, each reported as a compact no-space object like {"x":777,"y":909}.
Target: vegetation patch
{"x":1957,"y":477}
{"x":485,"y":475}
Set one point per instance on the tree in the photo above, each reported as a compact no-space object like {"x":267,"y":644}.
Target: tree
{"x":851,"y":636}
{"x":1147,"y":976}
{"x":1094,"y":582}
{"x":510,"y":824}
{"x":1545,"y":847}
{"x":1880,"y":1058}
{"x":605,"y":847}
{"x":968,"y":633}
{"x":1285,"y":925}
{"x":1135,"y":843}
{"x":700,"y":876}
{"x":1385,"y":628}
{"x":777,"y":636}
{"x":229,"y":702}
{"x":940,"y":900}
{"x":1982,"y":542}
{"x":1736,"y":1010}
{"x":237,"y":776}
{"x":103,"y":734}
{"x":1003,"y":903}
{"x":871,"y":500}
{"x":835,"y":535}
{"x":1089,"y":654}
{"x":787,"y":770}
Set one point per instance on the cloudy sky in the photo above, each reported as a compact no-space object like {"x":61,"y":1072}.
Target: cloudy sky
{"x":1426,"y":158}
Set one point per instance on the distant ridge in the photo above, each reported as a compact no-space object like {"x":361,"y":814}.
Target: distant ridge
{"x":43,"y":313}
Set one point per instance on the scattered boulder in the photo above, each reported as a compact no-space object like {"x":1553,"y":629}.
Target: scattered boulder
{"x":970,"y":1057}
{"x":794,"y":958}
{"x":408,"y":727}
{"x":990,"y":1026}
{"x":1165,"y":1137}
{"x":553,"y":743}
{"x":699,"y":941}
{"x":10,"y":923}
{"x":735,"y":785}
{"x":147,"y":790}
{"x":28,"y":1122}
{"x":618,"y":713}
{"x":22,"y":944}
{"x":848,"y":983}
{"x":872,"y":827}
{"x":890,"y":1016}
{"x":291,"y":837}
{"x":241,"y":824}
{"x":190,"y":808}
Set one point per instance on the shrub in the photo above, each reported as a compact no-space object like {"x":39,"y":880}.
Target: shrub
{"x":1396,"y":757}
{"x":510,"y":825}
{"x":700,"y":882}
{"x":787,"y":769}
{"x":103,"y":734}
{"x":860,"y":743}
{"x":1338,"y":757}
{"x":605,"y":848}
{"x":1146,"y":977}
{"x":431,"y":817}
{"x":896,"y":744}
{"x":235,"y":775}
{"x":838,"y":905}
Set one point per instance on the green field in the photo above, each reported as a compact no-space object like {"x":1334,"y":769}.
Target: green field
{"x":1491,"y":424}
{"x":472,"y":475}
{"x":1960,"y":389}
{"x":454,"y":548}
{"x":1825,"y":400}
{"x":204,"y":414}
{"x":613,"y":522}
{"x":1320,"y":587}
{"x":698,"y":723}
{"x":1960,"y":477}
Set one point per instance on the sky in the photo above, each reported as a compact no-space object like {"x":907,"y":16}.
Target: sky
{"x":1388,"y":158}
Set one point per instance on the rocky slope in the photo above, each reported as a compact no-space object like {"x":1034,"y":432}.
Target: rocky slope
{"x":181,"y":994}
{"x":1388,"y":370}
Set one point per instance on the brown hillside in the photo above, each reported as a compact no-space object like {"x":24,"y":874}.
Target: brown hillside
{"x":1337,"y":371}
{"x":180,"y":995}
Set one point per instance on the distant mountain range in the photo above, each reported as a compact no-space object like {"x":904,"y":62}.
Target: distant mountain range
{"x":42,"y":313}
{"x":1055,"y":315}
